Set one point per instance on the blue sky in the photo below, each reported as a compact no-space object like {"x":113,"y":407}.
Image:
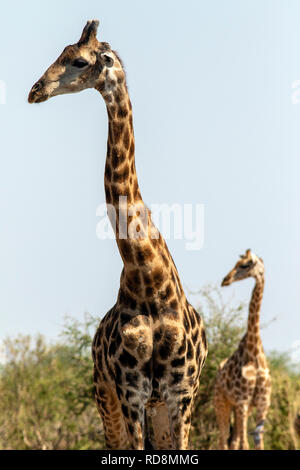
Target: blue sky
{"x":210,"y":84}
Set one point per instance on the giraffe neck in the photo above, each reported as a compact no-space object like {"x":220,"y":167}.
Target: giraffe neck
{"x":146,"y":259}
{"x":253,"y":330}
{"x":122,"y":192}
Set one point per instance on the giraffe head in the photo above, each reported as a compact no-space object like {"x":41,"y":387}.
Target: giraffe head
{"x":249,"y":265}
{"x":86,"y":64}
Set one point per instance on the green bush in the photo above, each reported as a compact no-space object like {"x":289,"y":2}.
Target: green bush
{"x":46,"y":393}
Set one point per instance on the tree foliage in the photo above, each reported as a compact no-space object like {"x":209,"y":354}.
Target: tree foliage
{"x":46,"y":393}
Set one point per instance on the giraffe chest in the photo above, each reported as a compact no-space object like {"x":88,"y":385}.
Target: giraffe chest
{"x":147,"y":351}
{"x":244,"y":379}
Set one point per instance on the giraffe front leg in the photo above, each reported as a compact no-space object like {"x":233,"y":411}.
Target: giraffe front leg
{"x":134,"y":393}
{"x":109,"y":408}
{"x":235,"y":439}
{"x":180,"y":416}
{"x":241,"y":425}
{"x":263,"y":404}
{"x":222,"y":410}
{"x":133,"y":414}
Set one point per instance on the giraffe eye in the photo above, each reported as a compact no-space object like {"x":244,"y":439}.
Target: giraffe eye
{"x":80,"y":63}
{"x":245,"y":266}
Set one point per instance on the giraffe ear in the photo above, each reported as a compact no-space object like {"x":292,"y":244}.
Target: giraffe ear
{"x":89,"y":32}
{"x":108,"y":59}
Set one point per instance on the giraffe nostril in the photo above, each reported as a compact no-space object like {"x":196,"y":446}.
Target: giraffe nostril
{"x":38,"y":93}
{"x":37,"y":86}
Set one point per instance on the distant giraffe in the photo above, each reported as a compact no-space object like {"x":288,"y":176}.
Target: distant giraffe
{"x":150,"y":347}
{"x":243,"y":380}
{"x":297,"y":424}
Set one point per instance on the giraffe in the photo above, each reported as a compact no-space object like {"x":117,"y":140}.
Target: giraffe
{"x":297,"y":424}
{"x":150,"y":347}
{"x":243,"y":381}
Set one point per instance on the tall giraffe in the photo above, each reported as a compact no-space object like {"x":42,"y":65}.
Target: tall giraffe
{"x":243,"y":380}
{"x":150,"y":347}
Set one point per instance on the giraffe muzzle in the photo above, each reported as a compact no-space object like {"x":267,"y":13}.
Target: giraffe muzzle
{"x":226,"y":281}
{"x":36,"y":93}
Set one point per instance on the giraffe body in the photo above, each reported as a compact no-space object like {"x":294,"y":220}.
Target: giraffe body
{"x":150,"y":347}
{"x":243,"y":381}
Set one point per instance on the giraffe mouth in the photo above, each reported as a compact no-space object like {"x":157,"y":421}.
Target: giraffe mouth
{"x":35,"y":97}
{"x":41,"y":99}
{"x":226,"y":281}
{"x":37,"y":93}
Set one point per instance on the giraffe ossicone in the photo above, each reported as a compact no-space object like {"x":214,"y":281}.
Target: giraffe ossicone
{"x":150,"y":347}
